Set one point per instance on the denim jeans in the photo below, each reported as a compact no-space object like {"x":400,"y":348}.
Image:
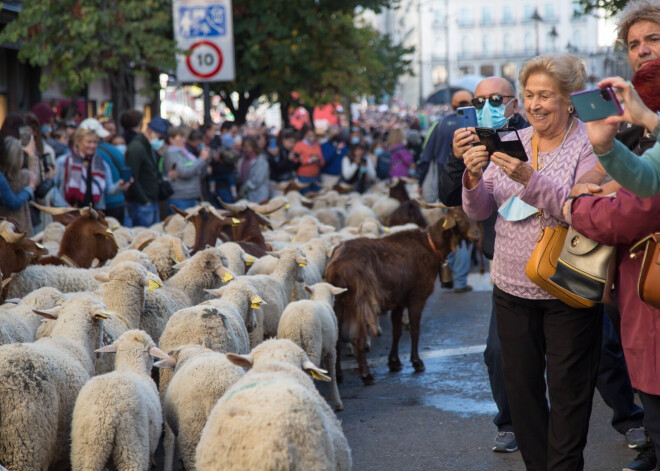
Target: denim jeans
{"x":144,"y":214}
{"x":314,"y":184}
{"x":223,"y":186}
{"x":181,"y":204}
{"x":459,"y":262}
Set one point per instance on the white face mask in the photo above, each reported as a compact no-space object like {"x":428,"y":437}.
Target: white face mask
{"x":121,"y":148}
{"x":515,"y":209}
{"x":156,"y":144}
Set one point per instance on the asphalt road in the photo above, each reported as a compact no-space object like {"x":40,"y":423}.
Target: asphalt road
{"x":441,"y":419}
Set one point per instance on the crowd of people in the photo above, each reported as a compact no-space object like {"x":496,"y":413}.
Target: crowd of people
{"x":139,"y":172}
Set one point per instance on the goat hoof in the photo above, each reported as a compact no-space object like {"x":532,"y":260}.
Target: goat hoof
{"x":368,"y":380}
{"x":419,"y":366}
{"x":339,"y":407}
{"x":395,"y":365}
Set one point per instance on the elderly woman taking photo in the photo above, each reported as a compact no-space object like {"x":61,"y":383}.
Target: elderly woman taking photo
{"x":538,"y":332}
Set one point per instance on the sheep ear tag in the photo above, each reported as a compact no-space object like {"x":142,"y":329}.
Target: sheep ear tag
{"x":287,"y":206}
{"x":317,"y":373}
{"x":102,"y":315}
{"x":256,"y":302}
{"x":154,"y":285}
{"x":235,"y":221}
{"x":249,"y":260}
{"x":227,"y":277}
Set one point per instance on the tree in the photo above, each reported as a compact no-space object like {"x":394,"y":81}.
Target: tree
{"x":86,"y":40}
{"x":612,"y":7}
{"x":315,"y":49}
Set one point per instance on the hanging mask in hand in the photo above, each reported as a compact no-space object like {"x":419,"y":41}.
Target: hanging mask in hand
{"x":515,"y":209}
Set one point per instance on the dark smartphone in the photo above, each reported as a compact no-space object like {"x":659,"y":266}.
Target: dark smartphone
{"x":126,"y":174}
{"x":272,"y":142}
{"x":173,"y":166}
{"x":467,"y":117}
{"x":592,"y":105}
{"x":25,"y":134}
{"x":506,"y":141}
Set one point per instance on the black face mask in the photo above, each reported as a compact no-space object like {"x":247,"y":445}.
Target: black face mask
{"x":334,"y":140}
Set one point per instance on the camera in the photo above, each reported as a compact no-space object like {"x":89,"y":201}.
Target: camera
{"x":606,"y":95}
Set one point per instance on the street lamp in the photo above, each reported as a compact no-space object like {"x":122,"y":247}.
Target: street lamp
{"x":553,"y":38}
{"x":536,"y":18}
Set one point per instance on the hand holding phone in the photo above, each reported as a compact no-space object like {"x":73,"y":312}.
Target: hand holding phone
{"x":125,"y":174}
{"x":467,"y":117}
{"x":505,"y":141}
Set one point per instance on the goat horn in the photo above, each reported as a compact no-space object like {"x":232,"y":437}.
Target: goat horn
{"x":89,"y":212}
{"x":177,"y":250}
{"x":270,"y":208}
{"x":53,"y":211}
{"x":215,"y":212}
{"x":426,"y":205}
{"x":233,"y":208}
{"x":9,"y":234}
{"x":69,"y":261}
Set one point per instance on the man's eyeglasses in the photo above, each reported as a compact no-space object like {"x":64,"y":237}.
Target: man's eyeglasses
{"x":494,"y":100}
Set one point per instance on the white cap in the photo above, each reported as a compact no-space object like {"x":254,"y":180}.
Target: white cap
{"x":94,"y":125}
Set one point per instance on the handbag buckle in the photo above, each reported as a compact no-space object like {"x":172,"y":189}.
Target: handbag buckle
{"x":574,"y":241}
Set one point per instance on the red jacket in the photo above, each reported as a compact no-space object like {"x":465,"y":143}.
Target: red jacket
{"x":622,"y":221}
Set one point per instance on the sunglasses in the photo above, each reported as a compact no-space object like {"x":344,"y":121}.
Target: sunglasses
{"x":494,"y":100}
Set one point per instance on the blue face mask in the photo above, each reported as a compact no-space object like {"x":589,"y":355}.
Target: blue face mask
{"x":121,"y":148}
{"x":379,"y":151}
{"x":355,"y":140}
{"x":200,"y":147}
{"x":46,"y":129}
{"x":491,"y":116}
{"x":515,"y":209}
{"x":156,"y":144}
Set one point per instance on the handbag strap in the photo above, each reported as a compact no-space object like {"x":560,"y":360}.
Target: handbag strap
{"x":535,"y":166}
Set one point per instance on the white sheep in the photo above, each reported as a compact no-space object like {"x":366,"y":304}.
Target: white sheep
{"x":234,"y":257}
{"x":165,"y":252}
{"x":384,"y":207}
{"x":359,"y":213}
{"x":201,"y":377}
{"x":118,"y":415}
{"x":65,"y":279}
{"x":18,"y":322}
{"x":312,"y":325}
{"x":276,"y":288}
{"x":273,"y":418}
{"x":40,"y":383}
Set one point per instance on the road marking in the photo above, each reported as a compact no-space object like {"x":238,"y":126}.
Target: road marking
{"x":445,"y":352}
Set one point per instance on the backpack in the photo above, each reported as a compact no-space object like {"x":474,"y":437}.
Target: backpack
{"x":383,"y":165}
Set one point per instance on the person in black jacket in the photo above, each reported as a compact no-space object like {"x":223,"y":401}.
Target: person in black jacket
{"x":282,"y":160}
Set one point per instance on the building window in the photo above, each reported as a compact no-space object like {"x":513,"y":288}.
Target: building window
{"x":550,"y":12}
{"x":529,"y":43}
{"x":577,"y":40}
{"x":466,"y":69}
{"x":439,"y":74}
{"x":507,"y":15}
{"x":507,"y":45}
{"x":509,"y":70}
{"x":438,"y":18}
{"x":487,"y":70}
{"x":466,"y":46}
{"x":486,"y":16}
{"x":465,"y":17}
{"x":528,"y":12}
{"x":487,"y":45}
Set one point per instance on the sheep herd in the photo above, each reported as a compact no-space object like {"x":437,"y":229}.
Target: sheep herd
{"x":238,"y":340}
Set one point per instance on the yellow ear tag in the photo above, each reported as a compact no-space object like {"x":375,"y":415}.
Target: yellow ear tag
{"x":305,"y":200}
{"x":115,"y":227}
{"x":108,"y":230}
{"x":176,"y":259}
{"x":444,"y":224}
{"x":39,"y":246}
{"x":255,"y":306}
{"x":293,"y":239}
{"x":256,"y":302}
{"x":235,"y":221}
{"x":154,"y":285}
{"x":227,"y":278}
{"x":315,"y":375}
{"x":250,"y":260}
{"x":105,"y":313}
{"x":302,"y":264}
{"x":287,"y":206}
{"x":386,"y":229}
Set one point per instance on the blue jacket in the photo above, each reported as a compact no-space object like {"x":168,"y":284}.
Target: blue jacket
{"x":332,"y":157}
{"x":12,"y":200}
{"x":115,"y":201}
{"x":438,"y":146}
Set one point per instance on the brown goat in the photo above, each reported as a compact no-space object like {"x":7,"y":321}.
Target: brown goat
{"x":16,"y":250}
{"x":248,"y":220}
{"x":408,"y":210}
{"x":210,"y":225}
{"x":392,"y":273}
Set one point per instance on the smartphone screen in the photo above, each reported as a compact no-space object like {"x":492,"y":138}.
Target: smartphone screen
{"x":126,"y":174}
{"x":592,"y":105}
{"x":25,"y":134}
{"x":467,"y":117}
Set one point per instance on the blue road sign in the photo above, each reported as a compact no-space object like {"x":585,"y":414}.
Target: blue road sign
{"x":202,"y":21}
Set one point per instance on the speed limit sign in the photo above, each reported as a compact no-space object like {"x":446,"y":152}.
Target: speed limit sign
{"x":204,"y":29}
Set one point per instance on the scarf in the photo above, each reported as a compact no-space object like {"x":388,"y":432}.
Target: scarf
{"x":247,"y":162}
{"x":79,"y":190}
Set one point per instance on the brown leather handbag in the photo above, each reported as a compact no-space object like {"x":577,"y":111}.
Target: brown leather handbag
{"x":543,"y":264}
{"x":648,"y":286}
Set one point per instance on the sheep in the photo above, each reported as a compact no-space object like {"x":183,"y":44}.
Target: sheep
{"x":273,"y":418}
{"x":334,"y":217}
{"x":201,"y":377}
{"x":165,"y":252}
{"x":51,"y":237}
{"x":124,"y":237}
{"x":384,"y":207}
{"x":18,"y":323}
{"x":118,"y":415}
{"x":276,"y":288}
{"x":40,"y":383}
{"x":357,"y":214}
{"x":133,"y":255}
{"x":234,"y":257}
{"x":312,"y":325}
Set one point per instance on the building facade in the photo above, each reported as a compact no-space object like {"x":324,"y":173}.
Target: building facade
{"x":455,"y":40}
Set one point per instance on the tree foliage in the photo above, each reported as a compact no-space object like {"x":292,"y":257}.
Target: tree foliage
{"x":611,"y":7}
{"x":86,"y":40}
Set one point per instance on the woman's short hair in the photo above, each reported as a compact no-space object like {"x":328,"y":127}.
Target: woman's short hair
{"x":12,"y":161}
{"x":82,"y":133}
{"x":567,"y":71}
{"x":635,"y":11}
{"x":175,"y":131}
{"x":396,"y":136}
